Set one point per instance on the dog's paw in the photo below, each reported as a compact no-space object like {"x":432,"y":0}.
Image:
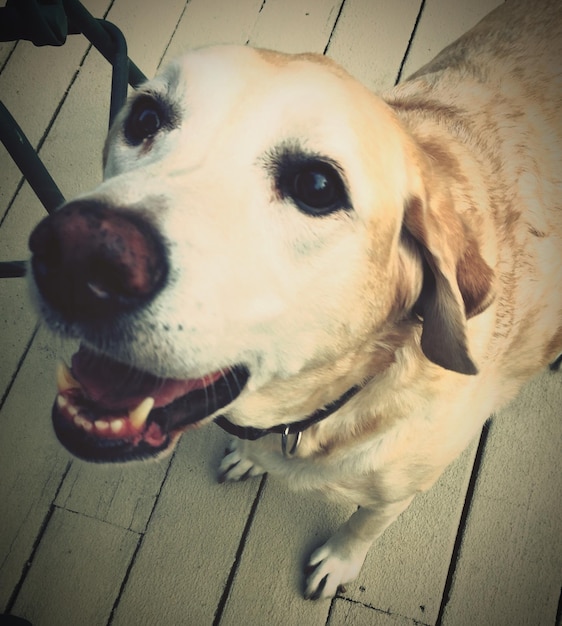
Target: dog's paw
{"x":330,"y":567}
{"x":235,"y":466}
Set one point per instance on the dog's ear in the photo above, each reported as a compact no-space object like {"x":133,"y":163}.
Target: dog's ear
{"x":457,"y":282}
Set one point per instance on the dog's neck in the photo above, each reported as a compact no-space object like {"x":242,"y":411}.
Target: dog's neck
{"x":294,"y":428}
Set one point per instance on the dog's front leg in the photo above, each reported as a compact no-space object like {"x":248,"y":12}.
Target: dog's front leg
{"x":340,"y":559}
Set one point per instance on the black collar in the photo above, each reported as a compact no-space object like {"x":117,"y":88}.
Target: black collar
{"x":251,"y":433}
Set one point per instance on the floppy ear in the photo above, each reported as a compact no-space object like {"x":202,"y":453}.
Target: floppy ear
{"x":457,"y":282}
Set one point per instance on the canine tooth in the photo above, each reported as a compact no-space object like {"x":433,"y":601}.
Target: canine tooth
{"x":65,"y":380}
{"x":101,"y":424}
{"x":139,"y":415}
{"x":82,"y":422}
{"x":117,"y":425}
{"x":61,"y":401}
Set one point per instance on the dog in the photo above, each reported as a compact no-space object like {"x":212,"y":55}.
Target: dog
{"x":350,"y":284}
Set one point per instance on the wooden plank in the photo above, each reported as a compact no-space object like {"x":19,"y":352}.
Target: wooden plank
{"x":191,"y":542}
{"x":6,"y":48}
{"x":443,"y":21}
{"x":77,"y":571}
{"x":207,"y":22}
{"x":148,"y":28}
{"x":123,"y":495}
{"x":510,"y":566}
{"x":344,"y":613}
{"x":406,"y":569}
{"x":24,"y":215}
{"x":32,"y":462}
{"x":17,"y":320}
{"x":268,"y":586}
{"x":371,"y":37}
{"x":295,"y":25}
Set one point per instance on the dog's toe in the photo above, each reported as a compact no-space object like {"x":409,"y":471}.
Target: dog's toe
{"x":235,"y":467}
{"x":327,"y":571}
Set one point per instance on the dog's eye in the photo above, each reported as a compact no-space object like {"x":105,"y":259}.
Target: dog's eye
{"x":145,"y":120}
{"x":317,"y":189}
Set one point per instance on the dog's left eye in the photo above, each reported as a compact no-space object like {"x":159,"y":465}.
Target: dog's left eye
{"x":146,"y":118}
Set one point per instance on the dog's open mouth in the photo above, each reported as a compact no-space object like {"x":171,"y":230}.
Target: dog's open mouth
{"x":108,"y":411}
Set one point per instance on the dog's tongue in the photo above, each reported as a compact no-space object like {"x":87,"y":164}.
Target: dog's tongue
{"x":114,"y":385}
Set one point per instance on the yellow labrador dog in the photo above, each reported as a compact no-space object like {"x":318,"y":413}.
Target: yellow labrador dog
{"x":348,"y":284}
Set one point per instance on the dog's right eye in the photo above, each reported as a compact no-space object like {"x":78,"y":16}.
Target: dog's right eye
{"x":146,"y":118}
{"x":317,"y":189}
{"x":314,"y":185}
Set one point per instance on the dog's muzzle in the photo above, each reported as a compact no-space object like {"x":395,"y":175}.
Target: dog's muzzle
{"x":93,"y":265}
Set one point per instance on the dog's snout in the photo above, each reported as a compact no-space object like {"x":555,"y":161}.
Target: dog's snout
{"x":90,"y":260}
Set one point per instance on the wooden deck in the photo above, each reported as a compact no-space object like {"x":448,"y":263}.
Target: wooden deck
{"x":164,"y":544}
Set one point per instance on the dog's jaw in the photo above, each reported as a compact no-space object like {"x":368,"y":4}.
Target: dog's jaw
{"x":108,"y":416}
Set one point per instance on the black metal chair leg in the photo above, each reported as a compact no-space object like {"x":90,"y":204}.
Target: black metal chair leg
{"x":120,"y":72}
{"x":32,"y":168}
{"x":29,"y":163}
{"x":81,"y":20}
{"x":13,"y":269}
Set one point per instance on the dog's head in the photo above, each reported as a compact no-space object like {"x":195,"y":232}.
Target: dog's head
{"x":265,"y":237}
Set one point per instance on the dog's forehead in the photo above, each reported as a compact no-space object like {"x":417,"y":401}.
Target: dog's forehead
{"x":240,"y":85}
{"x":239,"y":71}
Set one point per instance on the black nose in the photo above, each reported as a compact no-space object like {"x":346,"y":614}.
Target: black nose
{"x":91,"y":261}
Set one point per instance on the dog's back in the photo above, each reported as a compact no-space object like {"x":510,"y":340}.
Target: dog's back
{"x":498,"y":91}
{"x":514,"y":42}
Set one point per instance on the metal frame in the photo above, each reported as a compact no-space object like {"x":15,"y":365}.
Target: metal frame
{"x":110,"y":42}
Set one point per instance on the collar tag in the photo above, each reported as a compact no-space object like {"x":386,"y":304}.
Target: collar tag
{"x":290,"y":452}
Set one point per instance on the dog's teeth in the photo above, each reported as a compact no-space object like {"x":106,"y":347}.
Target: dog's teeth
{"x":139,"y":415}
{"x":87,"y":425}
{"x":65,"y":380}
{"x":101,"y":425}
{"x":117,"y":425}
{"x":82,"y":422}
